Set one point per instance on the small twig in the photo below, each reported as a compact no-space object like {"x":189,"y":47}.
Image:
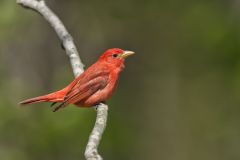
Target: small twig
{"x":40,"y":6}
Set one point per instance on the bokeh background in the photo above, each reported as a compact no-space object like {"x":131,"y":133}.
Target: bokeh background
{"x":178,"y":99}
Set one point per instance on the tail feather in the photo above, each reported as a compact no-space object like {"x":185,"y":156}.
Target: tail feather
{"x":53,"y":97}
{"x":35,"y":100}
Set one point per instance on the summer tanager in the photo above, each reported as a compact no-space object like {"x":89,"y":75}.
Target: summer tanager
{"x":92,"y":87}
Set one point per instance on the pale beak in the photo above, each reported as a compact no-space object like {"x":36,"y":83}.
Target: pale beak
{"x":126,"y":54}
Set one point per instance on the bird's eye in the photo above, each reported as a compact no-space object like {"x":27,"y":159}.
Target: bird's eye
{"x":114,"y":55}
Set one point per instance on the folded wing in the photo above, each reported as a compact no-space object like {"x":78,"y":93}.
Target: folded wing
{"x":81,"y":91}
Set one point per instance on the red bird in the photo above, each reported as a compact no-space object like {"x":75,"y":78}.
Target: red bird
{"x":92,"y":87}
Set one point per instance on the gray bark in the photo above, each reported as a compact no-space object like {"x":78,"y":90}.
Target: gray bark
{"x":91,"y":152}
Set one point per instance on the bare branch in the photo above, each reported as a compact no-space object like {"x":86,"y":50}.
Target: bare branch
{"x":40,"y":6}
{"x":91,"y":152}
{"x":66,"y":39}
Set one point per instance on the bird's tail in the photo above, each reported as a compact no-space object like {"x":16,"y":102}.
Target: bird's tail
{"x":52,"y":97}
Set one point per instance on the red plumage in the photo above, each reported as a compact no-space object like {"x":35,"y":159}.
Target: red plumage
{"x":92,"y":87}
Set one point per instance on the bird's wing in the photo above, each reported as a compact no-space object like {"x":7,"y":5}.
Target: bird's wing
{"x":82,"y":91}
{"x":92,"y":72}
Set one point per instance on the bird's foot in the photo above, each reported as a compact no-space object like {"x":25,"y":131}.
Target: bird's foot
{"x":99,"y":104}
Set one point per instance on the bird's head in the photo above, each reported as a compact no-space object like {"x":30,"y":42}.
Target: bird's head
{"x":115,"y":56}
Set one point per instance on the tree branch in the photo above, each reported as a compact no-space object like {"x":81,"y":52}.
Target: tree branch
{"x":66,"y":39}
{"x":40,"y":6}
{"x":91,"y":152}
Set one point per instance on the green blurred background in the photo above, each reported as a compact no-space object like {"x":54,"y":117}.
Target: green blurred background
{"x":178,"y":99}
